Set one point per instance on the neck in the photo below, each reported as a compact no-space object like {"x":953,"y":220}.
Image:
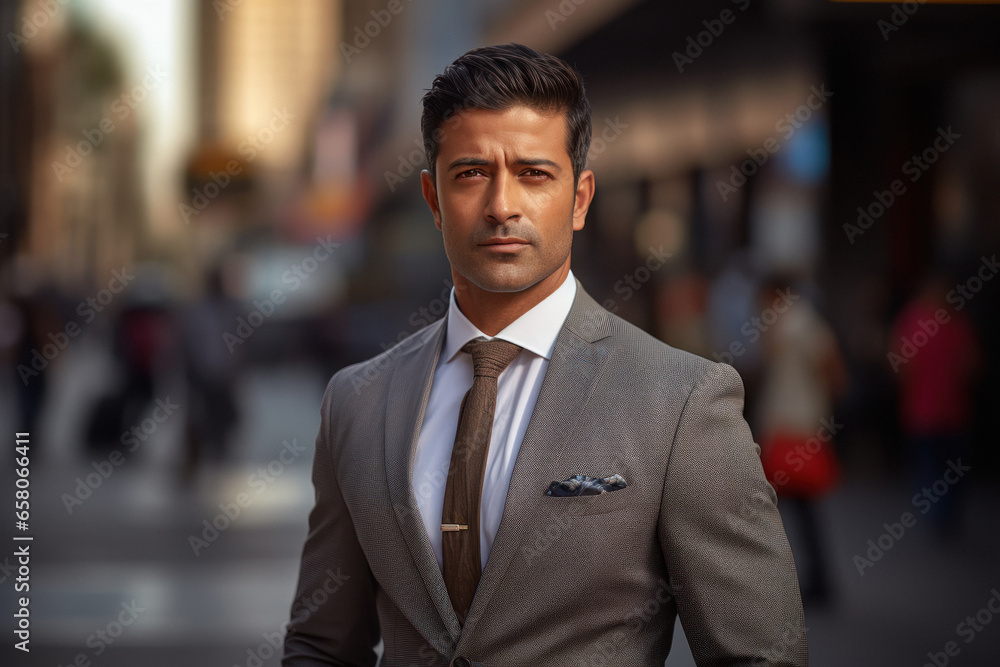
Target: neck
{"x":492,"y":312}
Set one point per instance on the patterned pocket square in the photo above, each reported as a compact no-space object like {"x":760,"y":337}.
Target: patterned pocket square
{"x":581,"y":485}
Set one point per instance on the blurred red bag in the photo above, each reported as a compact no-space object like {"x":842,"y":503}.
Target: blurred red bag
{"x":800,"y":467}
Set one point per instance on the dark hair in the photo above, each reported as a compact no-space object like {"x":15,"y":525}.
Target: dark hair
{"x":499,"y":77}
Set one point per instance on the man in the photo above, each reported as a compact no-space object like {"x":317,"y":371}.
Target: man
{"x":591,"y":486}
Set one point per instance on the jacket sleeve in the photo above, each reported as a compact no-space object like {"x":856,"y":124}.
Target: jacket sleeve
{"x":333,"y":617}
{"x":730,"y":565}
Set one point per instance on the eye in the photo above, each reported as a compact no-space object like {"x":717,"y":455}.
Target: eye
{"x":470,"y":173}
{"x":535,"y":173}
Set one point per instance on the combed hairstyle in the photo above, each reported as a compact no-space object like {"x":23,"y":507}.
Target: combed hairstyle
{"x":499,"y":77}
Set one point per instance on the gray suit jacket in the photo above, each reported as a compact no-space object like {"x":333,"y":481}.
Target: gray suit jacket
{"x":585,"y":580}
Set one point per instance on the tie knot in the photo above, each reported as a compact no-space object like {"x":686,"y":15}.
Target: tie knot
{"x":490,"y":357}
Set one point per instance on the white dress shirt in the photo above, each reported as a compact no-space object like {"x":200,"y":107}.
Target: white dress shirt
{"x":517,"y":390}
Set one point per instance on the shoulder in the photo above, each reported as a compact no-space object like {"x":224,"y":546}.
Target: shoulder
{"x":638,"y":355}
{"x":669,"y":369}
{"x":371,"y":377}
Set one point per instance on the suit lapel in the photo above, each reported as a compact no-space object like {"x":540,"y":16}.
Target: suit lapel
{"x":579,"y":356}
{"x":403,"y":416}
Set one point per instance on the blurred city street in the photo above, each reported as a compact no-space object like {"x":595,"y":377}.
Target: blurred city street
{"x":207,"y":208}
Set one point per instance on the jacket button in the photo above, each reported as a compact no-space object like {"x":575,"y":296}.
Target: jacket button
{"x":461,"y":661}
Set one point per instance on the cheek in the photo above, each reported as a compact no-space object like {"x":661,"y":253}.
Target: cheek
{"x":546,"y":200}
{"x":454,"y":224}
{"x":460,"y":209}
{"x":455,"y":233}
{"x":557,"y":217}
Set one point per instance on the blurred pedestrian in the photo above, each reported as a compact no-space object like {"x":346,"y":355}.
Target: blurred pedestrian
{"x":27,"y":321}
{"x":803,"y":374}
{"x":211,"y":369}
{"x":936,"y":356}
{"x":144,"y":347}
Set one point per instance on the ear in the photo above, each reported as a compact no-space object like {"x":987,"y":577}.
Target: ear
{"x":584,"y":195}
{"x":429,"y":189}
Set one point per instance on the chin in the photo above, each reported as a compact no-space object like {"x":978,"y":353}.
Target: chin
{"x":502,"y":286}
{"x":502,"y":281}
{"x":507,"y":277}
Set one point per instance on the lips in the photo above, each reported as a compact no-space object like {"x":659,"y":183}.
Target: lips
{"x":504,"y":241}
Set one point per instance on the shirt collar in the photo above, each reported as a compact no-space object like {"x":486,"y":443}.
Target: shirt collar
{"x":535,"y":331}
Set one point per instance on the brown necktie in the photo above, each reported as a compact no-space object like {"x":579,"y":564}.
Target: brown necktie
{"x":460,"y":515}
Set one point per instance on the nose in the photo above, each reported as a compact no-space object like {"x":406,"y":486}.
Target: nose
{"x":503,"y":202}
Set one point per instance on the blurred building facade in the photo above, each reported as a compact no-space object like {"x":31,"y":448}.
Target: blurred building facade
{"x":265,"y":70}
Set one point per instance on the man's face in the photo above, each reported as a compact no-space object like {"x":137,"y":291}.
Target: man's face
{"x":504,"y":199}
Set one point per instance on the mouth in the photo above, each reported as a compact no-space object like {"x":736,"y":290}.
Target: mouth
{"x":504,"y":244}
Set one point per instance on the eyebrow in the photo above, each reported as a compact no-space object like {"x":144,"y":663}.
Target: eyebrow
{"x":480,"y":162}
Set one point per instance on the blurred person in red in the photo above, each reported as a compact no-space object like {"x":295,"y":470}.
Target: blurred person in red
{"x":803,"y":374}
{"x":144,"y":345}
{"x":935,"y":354}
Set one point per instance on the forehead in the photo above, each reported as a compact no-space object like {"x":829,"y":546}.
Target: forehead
{"x":518,"y":129}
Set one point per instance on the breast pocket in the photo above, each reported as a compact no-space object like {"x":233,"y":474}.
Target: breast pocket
{"x":579,"y":506}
